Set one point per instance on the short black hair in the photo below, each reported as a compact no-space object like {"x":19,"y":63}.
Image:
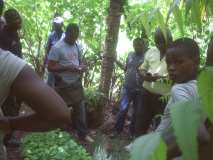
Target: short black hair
{"x":1,"y":6}
{"x":186,"y":45}
{"x":11,"y":15}
{"x":72,"y":27}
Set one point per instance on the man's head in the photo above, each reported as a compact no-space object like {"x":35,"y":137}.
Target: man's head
{"x":183,"y":58}
{"x":72,"y":33}
{"x":13,"y":19}
{"x":1,"y":7}
{"x":161,"y":41}
{"x":58,"y":23}
{"x":138,"y":45}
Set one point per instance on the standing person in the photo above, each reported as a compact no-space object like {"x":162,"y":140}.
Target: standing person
{"x":54,"y":37}
{"x":65,"y":61}
{"x":10,"y":40}
{"x":153,"y":70}
{"x":34,"y":92}
{"x":132,"y":89}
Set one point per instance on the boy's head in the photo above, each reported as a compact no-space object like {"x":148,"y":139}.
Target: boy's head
{"x":138,"y":45}
{"x":13,"y":19}
{"x":1,"y":7}
{"x":72,"y":33}
{"x":160,"y":41}
{"x":183,"y":58}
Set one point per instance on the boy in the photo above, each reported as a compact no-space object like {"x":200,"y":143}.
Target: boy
{"x":182,"y":58}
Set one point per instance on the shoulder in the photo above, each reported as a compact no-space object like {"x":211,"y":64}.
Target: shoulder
{"x":186,"y":90}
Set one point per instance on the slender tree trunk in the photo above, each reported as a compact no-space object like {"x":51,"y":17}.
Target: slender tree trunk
{"x":209,"y":60}
{"x":113,"y":25}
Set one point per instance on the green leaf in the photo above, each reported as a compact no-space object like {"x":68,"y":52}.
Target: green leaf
{"x":186,"y":118}
{"x":149,"y":147}
{"x":179,"y":19}
{"x":188,"y":4}
{"x":206,"y":91}
{"x":196,"y":12}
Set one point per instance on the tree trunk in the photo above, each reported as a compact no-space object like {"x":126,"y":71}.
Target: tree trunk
{"x":113,"y":25}
{"x":209,"y":60}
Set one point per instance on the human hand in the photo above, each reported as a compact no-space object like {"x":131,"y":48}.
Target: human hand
{"x":82,"y":68}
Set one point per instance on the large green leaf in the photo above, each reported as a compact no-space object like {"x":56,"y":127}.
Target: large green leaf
{"x":206,"y":90}
{"x":179,"y":19}
{"x":186,"y":118}
{"x":149,"y":147}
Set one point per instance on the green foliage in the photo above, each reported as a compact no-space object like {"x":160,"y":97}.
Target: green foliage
{"x":149,"y":147}
{"x":206,"y":91}
{"x":186,"y":119}
{"x":93,"y":96}
{"x":54,"y":145}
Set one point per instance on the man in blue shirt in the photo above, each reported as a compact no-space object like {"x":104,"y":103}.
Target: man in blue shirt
{"x":54,"y":37}
{"x":132,"y":89}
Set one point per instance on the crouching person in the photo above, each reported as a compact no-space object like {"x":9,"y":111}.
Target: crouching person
{"x":19,"y":80}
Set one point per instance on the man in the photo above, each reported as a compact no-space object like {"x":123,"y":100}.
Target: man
{"x":132,"y":90}
{"x":10,"y":40}
{"x":65,"y":61}
{"x":153,"y":72}
{"x":54,"y":37}
{"x":41,"y":98}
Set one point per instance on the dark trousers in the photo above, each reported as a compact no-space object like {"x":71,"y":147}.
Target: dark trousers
{"x":152,"y":106}
{"x":74,"y":97}
{"x":135,"y":97}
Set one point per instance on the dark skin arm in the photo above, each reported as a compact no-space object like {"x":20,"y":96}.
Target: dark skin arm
{"x":50,"y":110}
{"x":54,"y":66}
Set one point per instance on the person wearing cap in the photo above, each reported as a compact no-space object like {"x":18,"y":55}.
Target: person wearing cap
{"x":56,"y":35}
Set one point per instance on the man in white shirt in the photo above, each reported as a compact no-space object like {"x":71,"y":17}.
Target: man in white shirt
{"x":154,"y":72}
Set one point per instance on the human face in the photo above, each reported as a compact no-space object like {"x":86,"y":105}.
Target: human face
{"x":72,"y":36}
{"x":16,"y":25}
{"x":180,"y":66}
{"x":138,"y":46}
{"x":57,"y":27}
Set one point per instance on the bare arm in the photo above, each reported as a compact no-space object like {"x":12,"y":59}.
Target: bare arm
{"x":54,"y":66}
{"x":50,"y":110}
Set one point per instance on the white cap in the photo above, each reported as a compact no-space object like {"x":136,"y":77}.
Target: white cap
{"x":58,"y":20}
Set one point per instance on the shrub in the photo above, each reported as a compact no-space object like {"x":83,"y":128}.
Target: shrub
{"x":54,"y":145}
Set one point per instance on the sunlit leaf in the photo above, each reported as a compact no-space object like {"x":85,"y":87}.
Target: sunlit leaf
{"x":186,"y":118}
{"x":206,"y":90}
{"x":149,"y":147}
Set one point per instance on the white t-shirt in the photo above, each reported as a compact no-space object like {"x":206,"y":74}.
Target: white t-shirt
{"x":10,"y":67}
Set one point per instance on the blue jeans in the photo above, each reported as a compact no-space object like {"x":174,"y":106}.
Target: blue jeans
{"x":128,"y":96}
{"x":51,"y":79}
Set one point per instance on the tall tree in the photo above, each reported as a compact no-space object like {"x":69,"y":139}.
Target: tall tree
{"x":113,"y":24}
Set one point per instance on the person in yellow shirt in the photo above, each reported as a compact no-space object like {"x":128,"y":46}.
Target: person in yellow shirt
{"x":154,"y":72}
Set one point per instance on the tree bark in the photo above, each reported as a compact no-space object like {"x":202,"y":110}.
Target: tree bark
{"x":113,"y":25}
{"x":209,"y":60}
